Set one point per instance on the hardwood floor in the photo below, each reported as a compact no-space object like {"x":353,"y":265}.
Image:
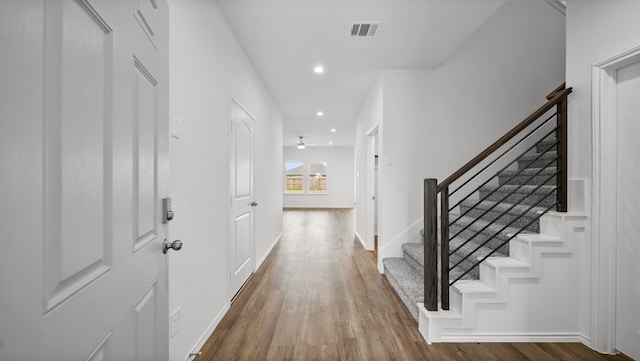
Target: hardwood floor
{"x":319,"y":296}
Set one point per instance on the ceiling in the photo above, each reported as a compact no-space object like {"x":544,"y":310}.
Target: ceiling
{"x":286,"y":39}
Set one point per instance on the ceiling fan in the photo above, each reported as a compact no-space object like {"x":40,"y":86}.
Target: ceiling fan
{"x":302,"y":145}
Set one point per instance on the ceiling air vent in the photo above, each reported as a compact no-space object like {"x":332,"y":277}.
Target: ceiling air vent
{"x":365,"y":29}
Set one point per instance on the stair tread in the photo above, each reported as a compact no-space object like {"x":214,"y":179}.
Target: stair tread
{"x":410,"y":282}
{"x":416,"y":252}
{"x":495,"y":229}
{"x":547,"y":145}
{"x":551,"y":139}
{"x":417,"y":246}
{"x":529,"y":171}
{"x":546,"y":155}
{"x":532,"y":175}
{"x":473,"y":286}
{"x":536,"y":160}
{"x":506,"y":262}
{"x":524,"y":189}
{"x":500,"y":207}
{"x":537,"y":237}
{"x":480,"y":252}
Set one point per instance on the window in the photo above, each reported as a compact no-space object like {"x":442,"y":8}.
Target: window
{"x":317,"y":178}
{"x":295,"y":174}
{"x":294,"y":177}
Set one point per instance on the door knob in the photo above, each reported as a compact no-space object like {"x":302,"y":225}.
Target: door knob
{"x":175,"y":245}
{"x":253,"y":204}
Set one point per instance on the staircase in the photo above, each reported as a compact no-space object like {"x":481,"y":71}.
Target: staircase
{"x":484,"y":220}
{"x":528,"y":296}
{"x":510,"y":272}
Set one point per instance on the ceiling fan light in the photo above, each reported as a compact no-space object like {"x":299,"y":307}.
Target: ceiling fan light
{"x":301,"y":146}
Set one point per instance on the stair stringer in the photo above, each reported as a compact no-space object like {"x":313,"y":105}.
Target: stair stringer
{"x":530,"y":296}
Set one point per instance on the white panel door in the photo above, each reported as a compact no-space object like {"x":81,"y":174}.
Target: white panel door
{"x":372,"y":203}
{"x":241,"y":245}
{"x":628,"y":212}
{"x":83,"y":137}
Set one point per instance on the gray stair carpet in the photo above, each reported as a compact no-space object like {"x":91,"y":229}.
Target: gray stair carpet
{"x":484,"y":224}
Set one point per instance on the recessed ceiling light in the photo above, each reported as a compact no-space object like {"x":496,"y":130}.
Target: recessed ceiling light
{"x":333,"y":130}
{"x":330,"y":142}
{"x":318,"y":69}
{"x":320,"y":114}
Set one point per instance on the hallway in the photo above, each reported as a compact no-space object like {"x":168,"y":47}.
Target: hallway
{"x":319,"y":296}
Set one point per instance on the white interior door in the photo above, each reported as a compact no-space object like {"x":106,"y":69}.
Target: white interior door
{"x":372,"y":189}
{"x":376,"y":188}
{"x":628,"y":212}
{"x":241,"y":245}
{"x":84,"y":139}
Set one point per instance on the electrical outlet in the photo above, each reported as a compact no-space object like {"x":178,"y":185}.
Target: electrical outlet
{"x":175,"y":322}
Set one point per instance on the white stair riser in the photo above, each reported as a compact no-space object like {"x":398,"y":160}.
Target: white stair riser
{"x":532,"y":292}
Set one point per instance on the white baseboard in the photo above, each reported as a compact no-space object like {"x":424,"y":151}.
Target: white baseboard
{"x":359,"y":238}
{"x":517,"y":337}
{"x":333,"y":206}
{"x":264,"y":256}
{"x":209,"y":331}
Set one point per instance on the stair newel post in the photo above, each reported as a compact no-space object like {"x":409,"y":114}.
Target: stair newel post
{"x":561,"y":134}
{"x":431,"y":244}
{"x":444,"y":248}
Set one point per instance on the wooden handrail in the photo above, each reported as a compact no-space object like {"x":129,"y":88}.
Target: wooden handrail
{"x":560,"y":87}
{"x":555,"y":99}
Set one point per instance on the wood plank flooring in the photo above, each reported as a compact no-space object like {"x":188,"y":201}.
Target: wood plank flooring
{"x":319,"y":296}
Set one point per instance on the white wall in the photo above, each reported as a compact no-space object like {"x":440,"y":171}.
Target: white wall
{"x":340,"y":177}
{"x":436,"y":120}
{"x":596,"y":31}
{"x":408,"y":115}
{"x":207,"y":68}
{"x":500,"y":75}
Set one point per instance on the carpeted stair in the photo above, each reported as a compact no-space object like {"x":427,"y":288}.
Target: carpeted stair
{"x":483,"y":221}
